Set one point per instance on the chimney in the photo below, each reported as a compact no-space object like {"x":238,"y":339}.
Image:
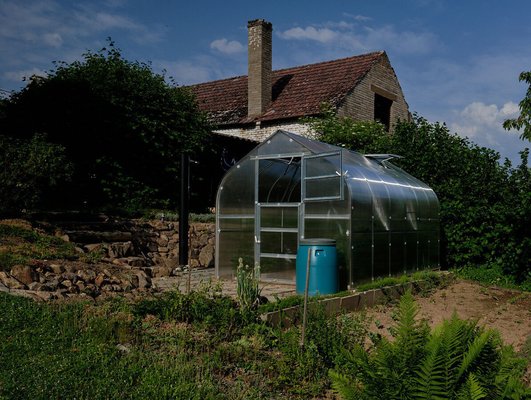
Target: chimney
{"x":260,"y":67}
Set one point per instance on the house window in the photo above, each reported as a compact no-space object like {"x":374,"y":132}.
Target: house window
{"x":382,"y":110}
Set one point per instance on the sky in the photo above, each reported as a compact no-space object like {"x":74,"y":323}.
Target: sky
{"x":457,"y":61}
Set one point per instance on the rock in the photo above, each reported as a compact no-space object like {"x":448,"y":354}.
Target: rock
{"x":117,"y":288}
{"x":35,"y":286}
{"x":69,"y":276}
{"x":57,"y":268}
{"x":206,"y":256}
{"x":120,"y":250}
{"x":91,"y":290}
{"x":163,"y":249}
{"x":100,"y":280}
{"x":3,"y":288}
{"x":140,"y":280}
{"x":24,"y":274}
{"x":87,"y":275}
{"x":79,"y":250}
{"x":161,"y":271}
{"x":134,"y":261}
{"x":81,"y":286}
{"x":67,"y":283}
{"x":93,"y":247}
{"x":11,"y":282}
{"x":194,"y":263}
{"x":70,"y":268}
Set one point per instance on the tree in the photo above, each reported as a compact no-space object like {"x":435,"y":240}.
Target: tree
{"x":524,"y":119}
{"x":123,"y":128}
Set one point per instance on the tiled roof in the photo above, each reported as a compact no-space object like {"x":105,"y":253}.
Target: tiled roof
{"x":297,"y":91}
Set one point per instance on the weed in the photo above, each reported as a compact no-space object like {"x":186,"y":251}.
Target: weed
{"x":248,"y":289}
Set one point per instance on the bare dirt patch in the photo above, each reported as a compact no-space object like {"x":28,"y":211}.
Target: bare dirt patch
{"x":507,"y":311}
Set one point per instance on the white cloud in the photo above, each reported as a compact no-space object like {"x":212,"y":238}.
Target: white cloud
{"x":344,"y":36}
{"x":52,"y":39}
{"x":227,"y":47}
{"x":483,"y":124}
{"x":357,"y":17}
{"x":322,"y":35}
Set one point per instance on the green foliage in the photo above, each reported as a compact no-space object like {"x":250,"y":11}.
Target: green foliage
{"x":365,"y":136}
{"x":457,"y":360}
{"x":485,"y":207}
{"x":524,"y":119}
{"x":123,"y":128}
{"x":29,"y":170}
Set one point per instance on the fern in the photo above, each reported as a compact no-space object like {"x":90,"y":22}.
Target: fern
{"x":458,"y":360}
{"x":348,"y":389}
{"x":472,"y":389}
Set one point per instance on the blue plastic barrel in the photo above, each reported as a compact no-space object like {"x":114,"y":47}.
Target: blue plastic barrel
{"x":323,"y":266}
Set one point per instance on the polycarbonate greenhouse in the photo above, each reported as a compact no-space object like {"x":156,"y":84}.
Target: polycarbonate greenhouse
{"x":385,"y":222}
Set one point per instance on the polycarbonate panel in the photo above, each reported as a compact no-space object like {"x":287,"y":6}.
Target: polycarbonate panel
{"x":361,"y":257}
{"x":381,"y":255}
{"x":398,"y":254}
{"x":277,"y":269}
{"x":231,"y":246}
{"x":323,"y":165}
{"x":279,"y":217}
{"x":323,"y":188}
{"x":278,"y":242}
{"x":236,"y":193}
{"x":279,"y":180}
{"x":411,"y":251}
{"x":279,"y":144}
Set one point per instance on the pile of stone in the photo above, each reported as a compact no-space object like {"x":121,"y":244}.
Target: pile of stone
{"x":48,"y":281}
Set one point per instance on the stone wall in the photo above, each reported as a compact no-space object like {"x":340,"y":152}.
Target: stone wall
{"x":143,"y":243}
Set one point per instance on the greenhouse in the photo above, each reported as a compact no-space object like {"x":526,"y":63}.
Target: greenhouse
{"x":385,"y":222}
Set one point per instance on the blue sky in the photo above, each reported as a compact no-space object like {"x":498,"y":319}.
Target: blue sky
{"x":457,"y":61}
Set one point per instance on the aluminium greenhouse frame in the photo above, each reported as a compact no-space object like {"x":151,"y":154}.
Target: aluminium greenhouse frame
{"x":288,"y":188}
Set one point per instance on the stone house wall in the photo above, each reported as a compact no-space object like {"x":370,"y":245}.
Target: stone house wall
{"x":381,"y":79}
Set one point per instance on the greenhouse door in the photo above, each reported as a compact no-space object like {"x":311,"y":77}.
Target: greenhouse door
{"x":277,"y":216}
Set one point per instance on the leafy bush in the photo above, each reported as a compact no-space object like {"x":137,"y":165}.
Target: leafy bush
{"x":29,"y":169}
{"x":458,"y":360}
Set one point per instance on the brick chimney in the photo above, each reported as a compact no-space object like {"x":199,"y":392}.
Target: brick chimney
{"x":260,"y":66}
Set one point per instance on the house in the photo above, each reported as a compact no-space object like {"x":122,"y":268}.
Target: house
{"x":253,"y":107}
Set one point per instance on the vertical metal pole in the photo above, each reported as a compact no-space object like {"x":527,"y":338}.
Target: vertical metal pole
{"x":183,"y":212}
{"x":305,"y":310}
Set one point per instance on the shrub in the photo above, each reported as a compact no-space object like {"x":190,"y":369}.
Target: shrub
{"x":29,"y":169}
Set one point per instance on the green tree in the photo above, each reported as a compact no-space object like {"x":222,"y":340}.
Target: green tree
{"x":524,"y":119}
{"x":122,"y":126}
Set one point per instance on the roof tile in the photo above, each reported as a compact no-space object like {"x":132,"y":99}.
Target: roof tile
{"x":297,"y":91}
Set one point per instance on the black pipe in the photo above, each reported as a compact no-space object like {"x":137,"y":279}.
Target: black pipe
{"x":183,"y":212}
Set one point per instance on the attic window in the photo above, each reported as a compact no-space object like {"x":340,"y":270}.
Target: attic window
{"x":382,"y":110}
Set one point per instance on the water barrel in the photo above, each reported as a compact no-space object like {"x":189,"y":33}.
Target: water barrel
{"x":323,"y":266}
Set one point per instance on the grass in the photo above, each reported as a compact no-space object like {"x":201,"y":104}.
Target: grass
{"x":195,"y":346}
{"x":492,"y":276}
{"x":19,"y":245}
